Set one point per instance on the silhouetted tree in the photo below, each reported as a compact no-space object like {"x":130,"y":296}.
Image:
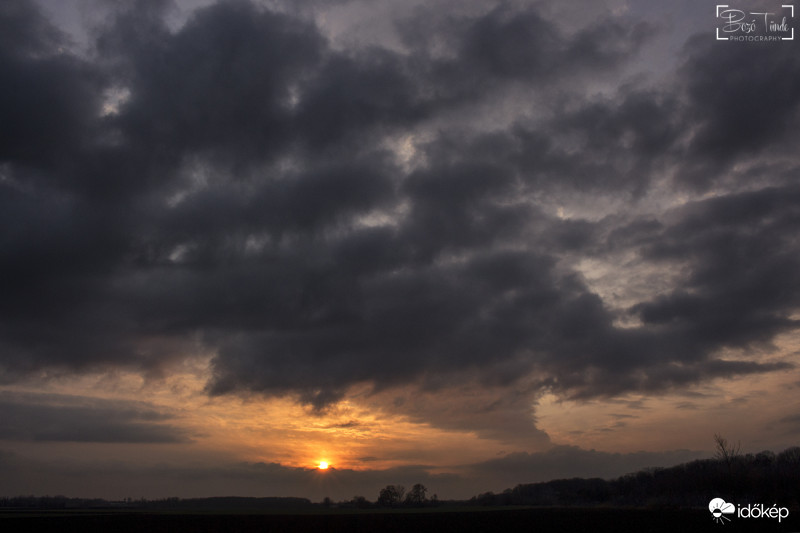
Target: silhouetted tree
{"x":787,"y":464}
{"x":416,"y":495}
{"x":391,"y":495}
{"x":361,"y":502}
{"x":726,"y":451}
{"x":486,"y":498}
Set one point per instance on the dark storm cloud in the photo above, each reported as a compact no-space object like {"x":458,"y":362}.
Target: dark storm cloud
{"x":623,"y":140}
{"x":244,"y":193}
{"x":508,"y":43}
{"x":221,"y":84}
{"x":47,"y":98}
{"x":745,"y":278}
{"x":741,"y":110}
{"x":48,"y":418}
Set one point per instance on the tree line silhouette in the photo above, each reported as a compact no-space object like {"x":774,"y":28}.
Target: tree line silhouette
{"x":744,"y":478}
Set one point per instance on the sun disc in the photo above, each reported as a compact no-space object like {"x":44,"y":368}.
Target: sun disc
{"x":323,"y":465}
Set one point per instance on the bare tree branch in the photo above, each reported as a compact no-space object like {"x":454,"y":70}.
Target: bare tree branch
{"x":726,"y":452}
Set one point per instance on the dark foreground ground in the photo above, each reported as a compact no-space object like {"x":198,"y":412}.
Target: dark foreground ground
{"x":488,"y":520}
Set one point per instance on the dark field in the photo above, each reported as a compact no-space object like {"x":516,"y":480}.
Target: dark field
{"x":534,"y":520}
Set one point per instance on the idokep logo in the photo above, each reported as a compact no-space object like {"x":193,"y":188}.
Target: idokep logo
{"x":720,"y":508}
{"x":740,"y":25}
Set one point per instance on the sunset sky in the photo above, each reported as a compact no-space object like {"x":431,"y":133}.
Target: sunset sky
{"x":463,"y":243}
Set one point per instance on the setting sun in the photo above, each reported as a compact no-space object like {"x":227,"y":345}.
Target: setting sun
{"x":323,"y":465}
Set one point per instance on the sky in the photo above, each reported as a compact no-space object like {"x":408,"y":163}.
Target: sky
{"x":468,"y":244}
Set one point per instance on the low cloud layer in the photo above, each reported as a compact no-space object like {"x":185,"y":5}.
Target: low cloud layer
{"x":320,"y":217}
{"x":114,"y":480}
{"x":54,"y":418}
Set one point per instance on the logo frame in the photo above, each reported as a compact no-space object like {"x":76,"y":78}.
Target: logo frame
{"x":739,"y":27}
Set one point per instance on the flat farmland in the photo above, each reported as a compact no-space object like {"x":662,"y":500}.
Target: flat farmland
{"x":406,"y":521}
